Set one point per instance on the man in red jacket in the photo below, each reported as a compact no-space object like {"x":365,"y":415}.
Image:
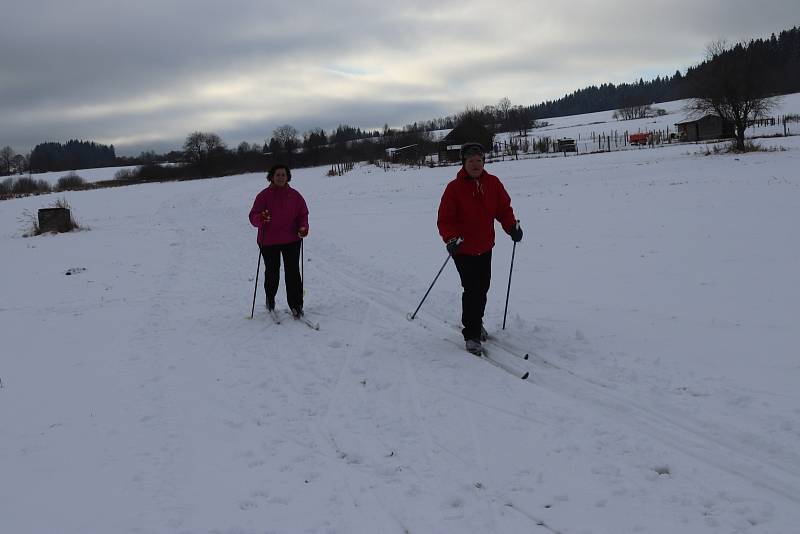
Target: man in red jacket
{"x":469,"y":206}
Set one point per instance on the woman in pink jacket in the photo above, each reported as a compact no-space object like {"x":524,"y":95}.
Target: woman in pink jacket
{"x":281,"y":216}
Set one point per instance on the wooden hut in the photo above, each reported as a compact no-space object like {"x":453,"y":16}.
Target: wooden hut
{"x":705,"y":128}
{"x":566,"y":144}
{"x":409,"y":154}
{"x":449,"y":148}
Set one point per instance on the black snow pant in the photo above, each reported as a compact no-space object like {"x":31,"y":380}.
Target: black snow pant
{"x":291,"y":268}
{"x":476,"y":275}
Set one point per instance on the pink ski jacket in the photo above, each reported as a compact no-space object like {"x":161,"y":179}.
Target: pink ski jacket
{"x":288,"y":213}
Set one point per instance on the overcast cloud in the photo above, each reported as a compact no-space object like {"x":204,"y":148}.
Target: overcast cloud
{"x":142,"y":75}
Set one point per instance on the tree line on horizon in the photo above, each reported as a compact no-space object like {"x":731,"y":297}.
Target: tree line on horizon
{"x":773,"y":68}
{"x":776,"y":64}
{"x":74,"y":154}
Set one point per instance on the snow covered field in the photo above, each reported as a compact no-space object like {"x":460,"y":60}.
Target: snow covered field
{"x":656,"y":291}
{"x":89,"y":175}
{"x":581,"y":127}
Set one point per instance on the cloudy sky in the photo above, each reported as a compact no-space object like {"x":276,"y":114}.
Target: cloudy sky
{"x":142,"y":75}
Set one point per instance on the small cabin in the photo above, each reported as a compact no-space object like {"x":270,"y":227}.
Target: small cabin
{"x":706,"y":128}
{"x":409,"y":154}
{"x":566,"y":144}
{"x":467,"y":131}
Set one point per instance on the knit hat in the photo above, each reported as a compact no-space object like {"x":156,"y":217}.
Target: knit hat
{"x":472,"y":149}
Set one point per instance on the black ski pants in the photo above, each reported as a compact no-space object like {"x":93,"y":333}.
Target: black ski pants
{"x":291,"y":268}
{"x":476,"y":275}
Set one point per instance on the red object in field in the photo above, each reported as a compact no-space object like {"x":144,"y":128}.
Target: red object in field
{"x":638,"y":138}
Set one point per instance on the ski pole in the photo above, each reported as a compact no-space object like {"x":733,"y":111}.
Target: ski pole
{"x":302,"y":265}
{"x":255,"y":289}
{"x":508,"y":291}
{"x":411,"y":316}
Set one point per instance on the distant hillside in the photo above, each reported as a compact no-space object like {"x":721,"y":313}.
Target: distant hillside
{"x":778,"y":55}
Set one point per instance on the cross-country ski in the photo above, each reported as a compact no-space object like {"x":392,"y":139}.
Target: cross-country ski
{"x":302,"y":318}
{"x":492,"y":358}
{"x":274,"y":316}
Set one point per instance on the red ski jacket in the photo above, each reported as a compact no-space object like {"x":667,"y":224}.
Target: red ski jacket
{"x":469,"y":208}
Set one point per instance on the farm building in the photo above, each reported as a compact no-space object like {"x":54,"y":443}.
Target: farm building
{"x":468,"y":131}
{"x":409,"y":154}
{"x":566,"y":144}
{"x":704,"y":128}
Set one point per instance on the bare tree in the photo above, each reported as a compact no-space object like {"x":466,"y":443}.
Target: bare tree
{"x":193,"y":146}
{"x":503,"y":105}
{"x":627,"y":113}
{"x":731,"y":85}
{"x":199,"y":146}
{"x":21,"y":163}
{"x":286,"y":135}
{"x":6,"y":160}
{"x":214,"y":143}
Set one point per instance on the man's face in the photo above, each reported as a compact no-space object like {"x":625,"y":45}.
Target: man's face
{"x":474,"y":165}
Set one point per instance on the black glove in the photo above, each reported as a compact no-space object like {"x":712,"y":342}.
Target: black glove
{"x":453,"y":244}
{"x":516,"y":233}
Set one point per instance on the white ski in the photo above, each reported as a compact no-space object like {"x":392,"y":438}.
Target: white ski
{"x":274,"y":315}
{"x":511,"y":369}
{"x":306,"y":321}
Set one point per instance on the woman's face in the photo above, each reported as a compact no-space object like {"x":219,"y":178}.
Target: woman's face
{"x":474,"y":166}
{"x":280,"y":178}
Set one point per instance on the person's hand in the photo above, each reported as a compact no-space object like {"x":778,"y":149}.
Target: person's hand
{"x":302,"y":231}
{"x":265,"y":216}
{"x":453,"y":245}
{"x":516,"y":233}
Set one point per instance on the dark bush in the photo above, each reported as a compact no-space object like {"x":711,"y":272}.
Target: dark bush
{"x":23,"y":186}
{"x":70,"y":181}
{"x":27,"y":185}
{"x":155,"y":173}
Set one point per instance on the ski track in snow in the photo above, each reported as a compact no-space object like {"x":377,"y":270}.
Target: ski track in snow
{"x":374,"y":423}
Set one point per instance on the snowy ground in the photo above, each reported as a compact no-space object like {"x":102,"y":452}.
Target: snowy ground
{"x":656,"y":291}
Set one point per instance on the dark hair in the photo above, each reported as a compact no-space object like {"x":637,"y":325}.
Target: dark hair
{"x":472,"y":149}
{"x":274,"y":168}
